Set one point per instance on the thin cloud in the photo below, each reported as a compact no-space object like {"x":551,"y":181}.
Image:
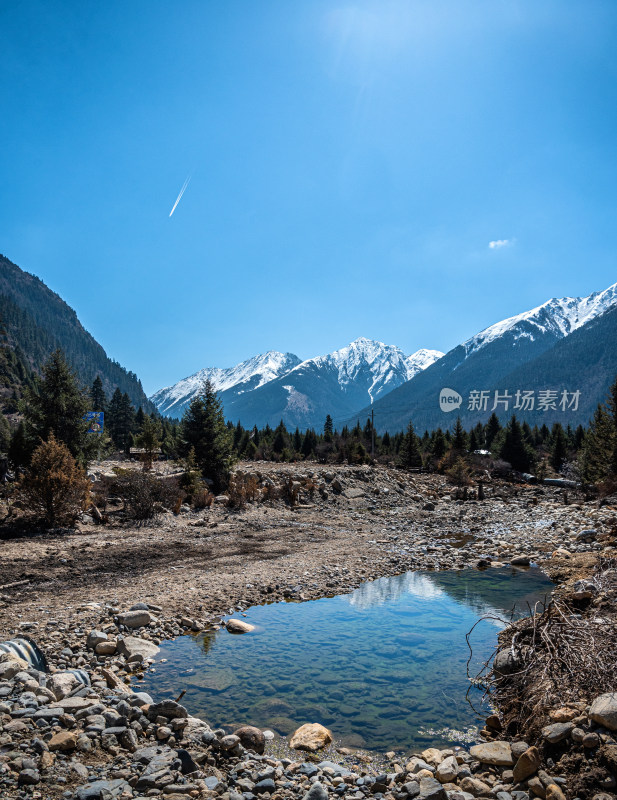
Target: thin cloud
{"x":497,"y":244}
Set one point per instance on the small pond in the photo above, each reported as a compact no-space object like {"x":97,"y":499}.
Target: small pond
{"x":383,"y":667}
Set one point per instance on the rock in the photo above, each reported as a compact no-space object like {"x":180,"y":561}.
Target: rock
{"x":537,"y":788}
{"x":553,"y":792}
{"x":432,"y":756}
{"x":135,"y":619}
{"x":133,"y":648}
{"x":229,"y":742}
{"x":518,"y":748}
{"x":266,"y":785}
{"x":28,"y":777}
{"x":563,"y":714}
{"x":188,"y":766}
{"x":430,"y":789}
{"x":520,"y":561}
{"x":352,"y":494}
{"x":584,"y":590}
{"x":63,"y":740}
{"x":604,"y":710}
{"x":94,"y":638}
{"x":528,"y":764}
{"x":561,"y":552}
{"x":8,"y":669}
{"x":238,"y":626}
{"x":497,"y":753}
{"x":505,"y":662}
{"x":61,"y":684}
{"x":215,"y":679}
{"x":447,"y":771}
{"x":557,"y":732}
{"x":72,"y":704}
{"x":106,"y":648}
{"x":168,"y":709}
{"x":251,"y":738}
{"x":475,"y":787}
{"x":588,"y":535}
{"x":101,"y":790}
{"x":310,"y":737}
{"x":316,"y":792}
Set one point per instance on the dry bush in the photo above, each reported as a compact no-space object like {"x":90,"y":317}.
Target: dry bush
{"x":558,"y":656}
{"x":203,"y":498}
{"x":143,"y":494}
{"x":54,"y":489}
{"x":459,"y":473}
{"x":242,"y":488}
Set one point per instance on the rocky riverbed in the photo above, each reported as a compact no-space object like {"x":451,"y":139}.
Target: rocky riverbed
{"x":101,"y":599}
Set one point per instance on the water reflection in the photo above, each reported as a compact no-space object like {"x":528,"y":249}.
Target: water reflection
{"x":376,"y":666}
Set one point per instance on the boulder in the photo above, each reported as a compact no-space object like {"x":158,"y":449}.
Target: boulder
{"x":430,"y":789}
{"x":557,"y":732}
{"x":604,"y":710}
{"x":61,"y":684}
{"x":505,"y":662}
{"x":134,"y":649}
{"x":497,"y":753}
{"x":238,"y":626}
{"x":106,"y":648}
{"x":528,"y":764}
{"x":168,"y":709}
{"x":520,"y":561}
{"x":353,"y":494}
{"x":135,"y":619}
{"x":251,"y":738}
{"x":310,"y":737}
{"x":447,"y":771}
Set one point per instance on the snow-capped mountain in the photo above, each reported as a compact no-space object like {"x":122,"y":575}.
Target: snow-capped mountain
{"x":275,"y":386}
{"x":558,"y":316}
{"x":502,"y":355}
{"x":244,"y":377}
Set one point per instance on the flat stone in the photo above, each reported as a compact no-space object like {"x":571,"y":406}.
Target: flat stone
{"x":131,"y":647}
{"x":97,"y":790}
{"x":72,"y":704}
{"x":604,"y":710}
{"x":497,"y":753}
{"x":352,"y":494}
{"x":61,"y":684}
{"x":557,"y":732}
{"x":135,"y":619}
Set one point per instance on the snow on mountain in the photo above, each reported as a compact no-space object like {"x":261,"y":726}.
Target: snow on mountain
{"x":559,"y":316}
{"x":364,"y":366}
{"x":248,"y":375}
{"x":387,"y":365}
{"x":420,"y":360}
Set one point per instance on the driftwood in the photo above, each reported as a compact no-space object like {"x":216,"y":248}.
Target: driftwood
{"x":15,"y":584}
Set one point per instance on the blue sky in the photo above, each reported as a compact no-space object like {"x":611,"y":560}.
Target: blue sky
{"x":350,"y":162}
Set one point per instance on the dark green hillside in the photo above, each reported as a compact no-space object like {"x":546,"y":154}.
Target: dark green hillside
{"x":37,"y":321}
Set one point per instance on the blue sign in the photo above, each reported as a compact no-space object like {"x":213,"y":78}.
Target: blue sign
{"x":95,"y":421}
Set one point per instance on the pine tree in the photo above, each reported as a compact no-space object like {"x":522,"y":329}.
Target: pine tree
{"x":204,"y":428}
{"x":98,"y":398}
{"x":410,"y":456}
{"x":493,"y":426}
{"x":281,"y":438}
{"x":149,"y":439}
{"x":514,"y":449}
{"x":439,"y":445}
{"x":559,"y":449}
{"x":328,"y":428}
{"x":56,"y":405}
{"x":121,"y":419}
{"x":459,"y":437}
{"x":5,"y":434}
{"x":597,"y":452}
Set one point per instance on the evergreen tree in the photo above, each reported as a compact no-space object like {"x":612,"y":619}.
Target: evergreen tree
{"x":328,"y":428}
{"x":514,"y":449}
{"x":410,"y":456}
{"x":56,"y":405}
{"x":5,"y":434}
{"x":309,"y":443}
{"x":19,"y":451}
{"x":559,"y":450}
{"x":493,"y":426}
{"x":459,"y":437}
{"x":598,"y":448}
{"x":98,"y":398}
{"x":297,"y":440}
{"x":204,"y":428}
{"x":149,"y":439}
{"x":281,"y":438}
{"x":120,"y":419}
{"x":439,"y":445}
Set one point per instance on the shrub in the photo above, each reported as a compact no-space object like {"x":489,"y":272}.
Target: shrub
{"x":54,"y":489}
{"x":459,"y":474}
{"x":203,"y":498}
{"x":242,"y":488}
{"x":142,"y":493}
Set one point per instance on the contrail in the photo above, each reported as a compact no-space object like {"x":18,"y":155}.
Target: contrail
{"x":182,"y":191}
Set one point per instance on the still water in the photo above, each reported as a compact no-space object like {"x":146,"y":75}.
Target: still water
{"x":383,"y":667}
